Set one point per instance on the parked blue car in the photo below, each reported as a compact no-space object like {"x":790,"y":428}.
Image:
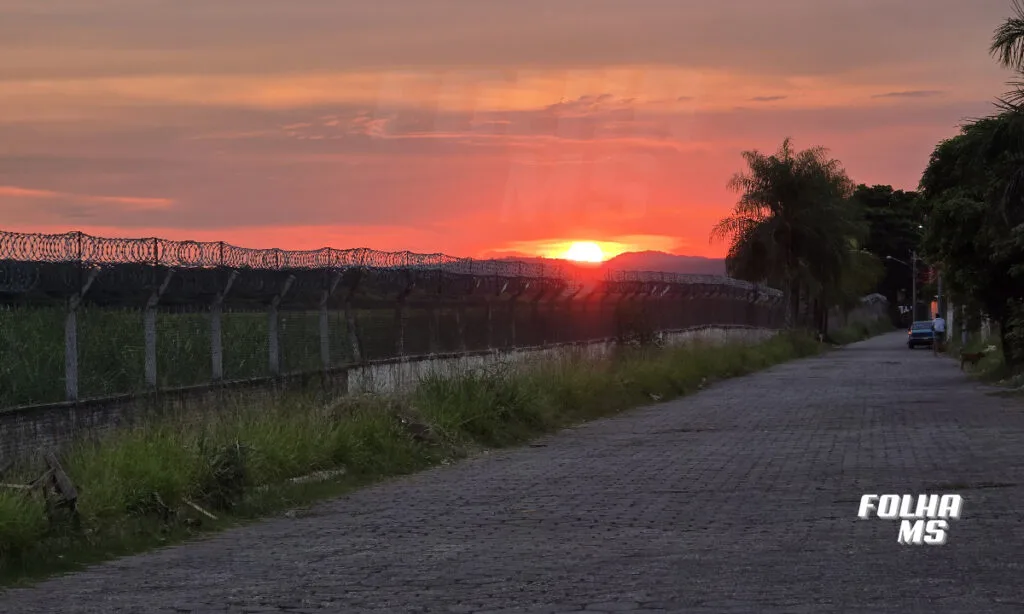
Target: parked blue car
{"x":920,"y":333}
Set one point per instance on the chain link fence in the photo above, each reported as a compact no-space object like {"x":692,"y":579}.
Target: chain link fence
{"x":84,"y":317}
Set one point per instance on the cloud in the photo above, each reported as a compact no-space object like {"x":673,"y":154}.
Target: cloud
{"x":20,"y":205}
{"x":595,"y":163}
{"x":122,"y":202}
{"x":910,"y":94}
{"x":92,"y":38}
{"x":456,"y":124}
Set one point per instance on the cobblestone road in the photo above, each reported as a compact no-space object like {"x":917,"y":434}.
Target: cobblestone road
{"x":742,"y":498}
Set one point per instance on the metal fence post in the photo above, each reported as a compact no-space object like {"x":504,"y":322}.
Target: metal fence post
{"x":539,"y":328}
{"x":216,"y":330}
{"x":489,"y":319}
{"x":434,"y":318}
{"x":353,"y":332}
{"x":568,"y":325}
{"x":273,"y":340}
{"x":217,"y":340}
{"x":71,"y":338}
{"x":273,"y":336}
{"x":400,"y":323}
{"x":460,"y":325}
{"x":325,"y":329}
{"x":434,"y":326}
{"x":512,"y":320}
{"x":149,"y":329}
{"x":513,"y":303}
{"x":352,"y":279}
{"x":71,"y":350}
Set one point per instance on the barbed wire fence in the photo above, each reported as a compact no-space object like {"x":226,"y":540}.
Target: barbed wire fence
{"x":87,"y":317}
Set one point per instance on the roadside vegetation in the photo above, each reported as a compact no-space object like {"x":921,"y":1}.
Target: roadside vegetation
{"x":972,"y":202}
{"x":204,"y":471}
{"x":801,"y":225}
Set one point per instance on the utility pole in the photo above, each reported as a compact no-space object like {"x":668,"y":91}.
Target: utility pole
{"x":938,"y":299}
{"x":913,"y":282}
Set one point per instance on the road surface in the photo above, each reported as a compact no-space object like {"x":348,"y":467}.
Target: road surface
{"x":742,"y":498}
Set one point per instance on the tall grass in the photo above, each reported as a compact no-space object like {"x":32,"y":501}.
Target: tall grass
{"x":138,"y":486}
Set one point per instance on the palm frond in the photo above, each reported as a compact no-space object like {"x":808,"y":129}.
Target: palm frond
{"x":1008,"y":40}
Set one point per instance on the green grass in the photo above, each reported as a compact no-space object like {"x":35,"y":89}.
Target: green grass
{"x":237,"y":462}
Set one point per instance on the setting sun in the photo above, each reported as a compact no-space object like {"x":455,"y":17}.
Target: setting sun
{"x":584,"y":251}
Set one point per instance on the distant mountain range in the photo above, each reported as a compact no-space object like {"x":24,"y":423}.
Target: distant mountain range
{"x":666,"y":263}
{"x":651,"y":261}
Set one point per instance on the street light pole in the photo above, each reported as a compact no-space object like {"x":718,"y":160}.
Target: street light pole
{"x":913,"y":286}
{"x":912,"y":265}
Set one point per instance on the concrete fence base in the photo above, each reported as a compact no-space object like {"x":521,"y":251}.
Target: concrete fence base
{"x":25,"y":431}
{"x":402,"y":376}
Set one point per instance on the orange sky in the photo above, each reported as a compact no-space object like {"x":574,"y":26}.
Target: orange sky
{"x":471,"y":127}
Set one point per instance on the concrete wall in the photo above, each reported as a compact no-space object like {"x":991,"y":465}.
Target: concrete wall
{"x":402,"y":376}
{"x":26,"y":431}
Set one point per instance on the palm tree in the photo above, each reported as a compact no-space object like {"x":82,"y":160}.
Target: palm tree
{"x":1008,"y":48}
{"x":792,"y":226}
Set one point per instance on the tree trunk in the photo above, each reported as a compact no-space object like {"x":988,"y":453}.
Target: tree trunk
{"x":797,"y":303}
{"x":820,"y":315}
{"x":793,"y":308}
{"x":1007,"y":321}
{"x":1006,"y":340}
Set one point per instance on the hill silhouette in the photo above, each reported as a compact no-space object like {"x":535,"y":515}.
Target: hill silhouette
{"x":667,"y":263}
{"x":649,"y":261}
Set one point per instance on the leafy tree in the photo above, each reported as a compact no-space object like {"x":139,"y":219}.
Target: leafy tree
{"x":973,"y":192}
{"x":795,"y":227}
{"x":895,"y":227}
{"x":975,"y":227}
{"x":860,"y":278}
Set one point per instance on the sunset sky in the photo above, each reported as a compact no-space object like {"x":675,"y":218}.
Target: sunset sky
{"x":470,"y":127}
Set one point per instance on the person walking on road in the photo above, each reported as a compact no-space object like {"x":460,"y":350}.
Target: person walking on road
{"x":938,"y":333}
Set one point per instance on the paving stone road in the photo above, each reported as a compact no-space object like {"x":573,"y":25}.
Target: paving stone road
{"x":742,"y":498}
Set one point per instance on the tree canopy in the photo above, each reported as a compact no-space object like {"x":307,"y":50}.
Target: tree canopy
{"x":795,"y":226}
{"x":894,"y":231}
{"x":973,"y":192}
